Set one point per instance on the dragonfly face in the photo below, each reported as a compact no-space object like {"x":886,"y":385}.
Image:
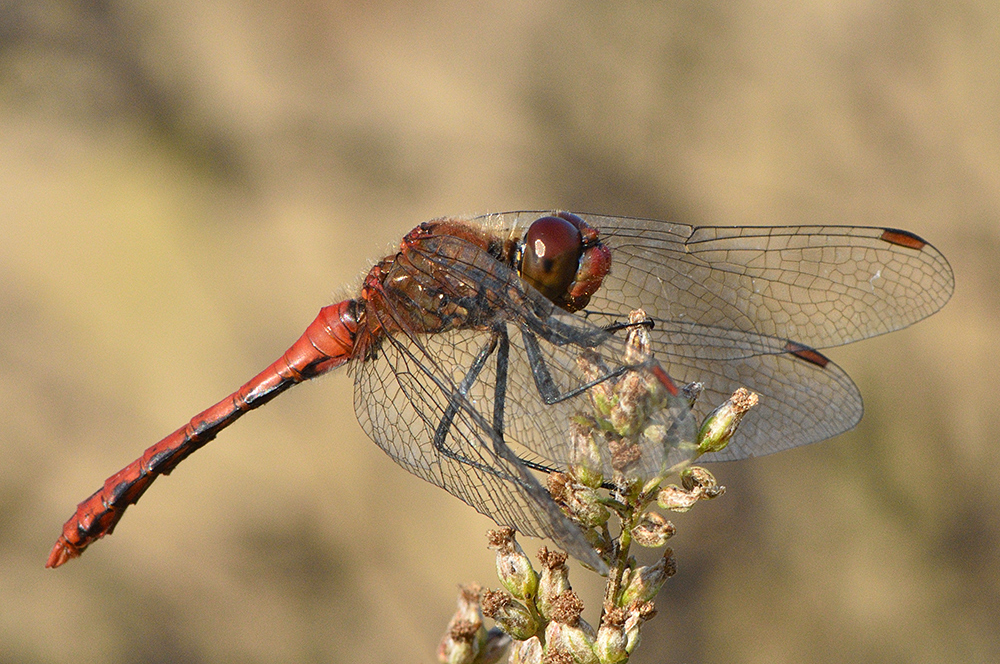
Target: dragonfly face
{"x":563,"y":258}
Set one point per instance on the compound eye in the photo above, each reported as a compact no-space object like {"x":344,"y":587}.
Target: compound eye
{"x":552,"y":250}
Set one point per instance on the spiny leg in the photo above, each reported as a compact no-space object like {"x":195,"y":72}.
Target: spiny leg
{"x":544,"y":383}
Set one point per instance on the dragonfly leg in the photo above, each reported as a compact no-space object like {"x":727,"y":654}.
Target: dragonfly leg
{"x":618,"y":326}
{"x":553,"y":522}
{"x":458,"y":399}
{"x":544,"y":383}
{"x":500,"y":344}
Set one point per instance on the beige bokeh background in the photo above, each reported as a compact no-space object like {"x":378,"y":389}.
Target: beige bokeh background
{"x":184,"y":184}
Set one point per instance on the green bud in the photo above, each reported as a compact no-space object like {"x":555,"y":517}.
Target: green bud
{"x":645,"y":582}
{"x":588,"y":508}
{"x":511,"y":616}
{"x":576,"y":641}
{"x":527,"y":652}
{"x":586,"y":465}
{"x":513,"y":566}
{"x":601,"y":397}
{"x":612,"y":641}
{"x":721,"y":424}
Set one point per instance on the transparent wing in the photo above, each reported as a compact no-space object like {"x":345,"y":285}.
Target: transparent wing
{"x":479,"y":411}
{"x":804,"y":397}
{"x":405,"y":402}
{"x":820,"y":286}
{"x":745,"y":307}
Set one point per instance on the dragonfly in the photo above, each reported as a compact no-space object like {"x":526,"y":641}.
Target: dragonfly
{"x":466,"y":344}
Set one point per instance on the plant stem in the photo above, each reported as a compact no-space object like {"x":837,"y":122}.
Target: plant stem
{"x":613,"y":589}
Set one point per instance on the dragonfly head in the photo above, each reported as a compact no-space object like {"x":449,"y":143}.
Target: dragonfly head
{"x":563,"y":258}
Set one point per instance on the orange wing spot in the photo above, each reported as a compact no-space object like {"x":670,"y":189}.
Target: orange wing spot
{"x":806,"y":353}
{"x":902,"y":238}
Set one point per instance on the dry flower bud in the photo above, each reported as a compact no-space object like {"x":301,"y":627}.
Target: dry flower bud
{"x":698,"y":480}
{"x":575,"y":641}
{"x":638,"y":613}
{"x":637,"y":341}
{"x":469,"y":603}
{"x":513,"y":566}
{"x":466,"y":635}
{"x":593,"y":367}
{"x":624,"y":453}
{"x":652,"y":531}
{"x":511,"y":616}
{"x":462,"y":643}
{"x":567,"y":607}
{"x":586,"y":464}
{"x":676,"y":499}
{"x":581,"y":502}
{"x":558,"y":657}
{"x":558,"y":485}
{"x":553,"y":581}
{"x":644,"y":583}
{"x":639,"y":395}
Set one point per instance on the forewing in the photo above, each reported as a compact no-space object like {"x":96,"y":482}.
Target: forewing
{"x":820,"y":286}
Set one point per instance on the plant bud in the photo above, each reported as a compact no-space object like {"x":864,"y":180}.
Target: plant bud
{"x":553,"y":582}
{"x":698,"y":480}
{"x":462,"y":643}
{"x":721,"y":424}
{"x":675,"y":499}
{"x":512,"y":617}
{"x":513,"y":566}
{"x":639,"y":396}
{"x":580,"y":502}
{"x":652,"y":531}
{"x":638,"y":613}
{"x":587,"y":465}
{"x":593,"y":367}
{"x":645,"y":582}
{"x":526,"y":652}
{"x":637,"y":340}
{"x":576,"y":641}
{"x":466,"y":635}
{"x":612,"y":641}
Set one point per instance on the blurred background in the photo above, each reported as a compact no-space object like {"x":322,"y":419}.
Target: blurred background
{"x":184,"y":184}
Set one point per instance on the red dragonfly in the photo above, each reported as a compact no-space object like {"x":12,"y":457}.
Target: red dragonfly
{"x":466,"y":346}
